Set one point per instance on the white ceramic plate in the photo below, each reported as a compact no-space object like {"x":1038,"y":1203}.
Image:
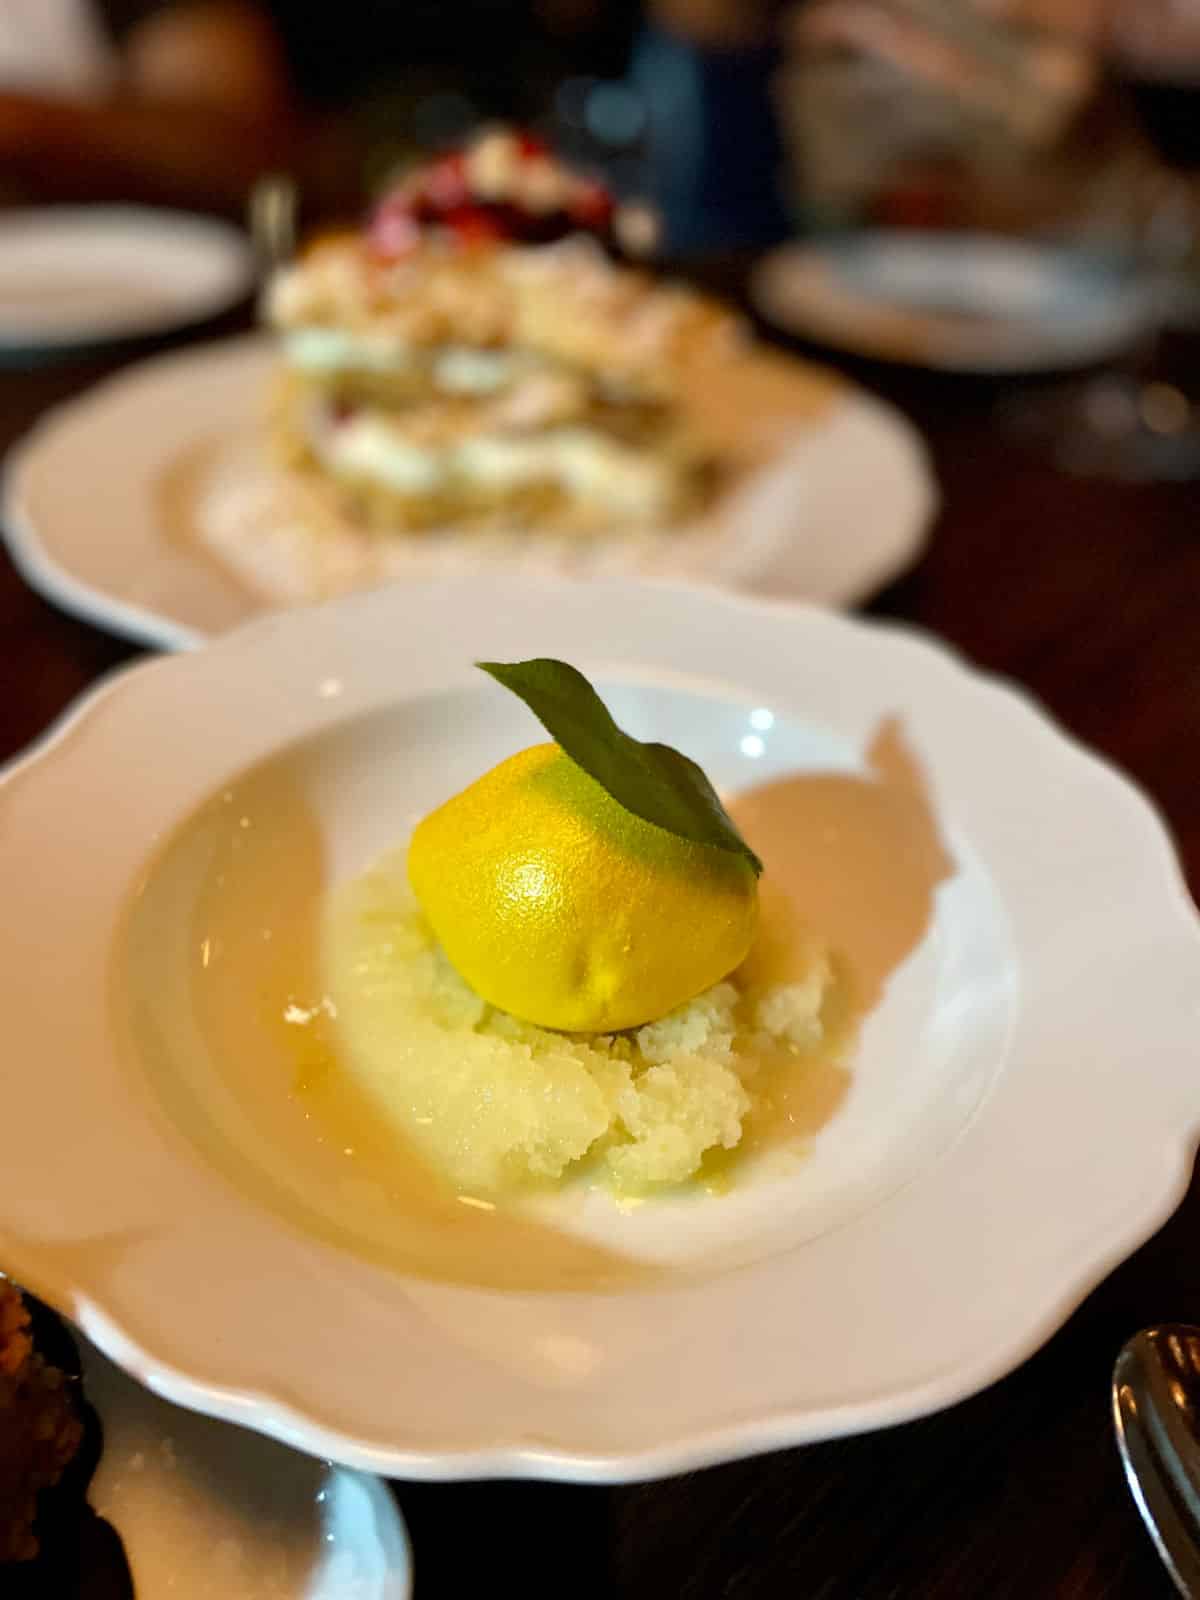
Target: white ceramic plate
{"x":205,"y":1509}
{"x":954,"y":302}
{"x":1021,"y":1114}
{"x":92,"y":522}
{"x":85,"y":275}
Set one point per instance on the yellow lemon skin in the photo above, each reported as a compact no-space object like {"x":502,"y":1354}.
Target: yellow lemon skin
{"x":561,"y":907}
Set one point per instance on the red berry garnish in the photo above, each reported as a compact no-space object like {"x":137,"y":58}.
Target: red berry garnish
{"x":393,"y":232}
{"x":445,"y":186}
{"x":474,"y":225}
{"x":591,"y":205}
{"x":529,"y":146}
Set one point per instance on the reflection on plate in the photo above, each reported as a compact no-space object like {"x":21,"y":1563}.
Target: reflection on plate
{"x":72,"y":276}
{"x":173,"y":451}
{"x":956,"y":302}
{"x":957,"y":1197}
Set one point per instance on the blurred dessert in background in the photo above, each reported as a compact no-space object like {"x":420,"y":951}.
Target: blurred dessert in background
{"x":40,"y":1430}
{"x":935,"y":113}
{"x":476,"y":356}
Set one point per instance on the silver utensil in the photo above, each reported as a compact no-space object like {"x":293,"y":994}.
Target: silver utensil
{"x":271,"y":212}
{"x":1156,"y":1414}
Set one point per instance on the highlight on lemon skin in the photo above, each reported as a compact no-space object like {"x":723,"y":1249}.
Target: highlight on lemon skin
{"x":565,"y":909}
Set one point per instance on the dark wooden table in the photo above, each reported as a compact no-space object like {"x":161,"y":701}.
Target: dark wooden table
{"x":1088,"y":594}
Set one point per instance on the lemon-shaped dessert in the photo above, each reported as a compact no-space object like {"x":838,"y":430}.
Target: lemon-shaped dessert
{"x":561,"y":906}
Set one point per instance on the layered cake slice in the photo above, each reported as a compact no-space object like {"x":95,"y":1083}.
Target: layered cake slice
{"x":475,"y":354}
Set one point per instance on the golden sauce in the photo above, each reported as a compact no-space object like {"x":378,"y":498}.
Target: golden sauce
{"x":853,"y":859}
{"x":179,"y":488}
{"x":257,"y":992}
{"x":856,"y":858}
{"x":747,"y":409}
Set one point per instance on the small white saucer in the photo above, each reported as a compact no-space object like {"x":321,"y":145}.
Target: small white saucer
{"x":955,"y":302}
{"x":205,"y":1509}
{"x":74,"y":276}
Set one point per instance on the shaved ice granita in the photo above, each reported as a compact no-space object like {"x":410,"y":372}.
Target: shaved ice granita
{"x":550,"y":979}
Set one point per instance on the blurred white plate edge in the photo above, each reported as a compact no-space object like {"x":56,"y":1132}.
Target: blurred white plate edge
{"x":74,"y":276}
{"x":861,"y":293}
{"x":847,"y":509}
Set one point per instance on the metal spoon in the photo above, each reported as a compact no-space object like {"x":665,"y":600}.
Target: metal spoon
{"x":1156,"y":1414}
{"x":271,"y":212}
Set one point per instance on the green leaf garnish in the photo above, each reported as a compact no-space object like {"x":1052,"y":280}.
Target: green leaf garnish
{"x":653,"y":781}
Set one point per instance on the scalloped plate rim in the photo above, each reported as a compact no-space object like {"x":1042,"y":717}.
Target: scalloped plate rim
{"x":701,"y":1443}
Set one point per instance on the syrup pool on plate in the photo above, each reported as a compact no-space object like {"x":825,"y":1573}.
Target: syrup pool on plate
{"x":227,"y":1009}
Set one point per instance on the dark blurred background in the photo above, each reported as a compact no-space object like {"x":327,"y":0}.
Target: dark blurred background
{"x":723,"y":126}
{"x":741,"y":119}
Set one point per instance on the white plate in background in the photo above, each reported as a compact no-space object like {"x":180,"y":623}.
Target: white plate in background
{"x":957,"y":302}
{"x":74,"y":276}
{"x":960,"y":1202}
{"x":205,"y":1509}
{"x":92,"y":522}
